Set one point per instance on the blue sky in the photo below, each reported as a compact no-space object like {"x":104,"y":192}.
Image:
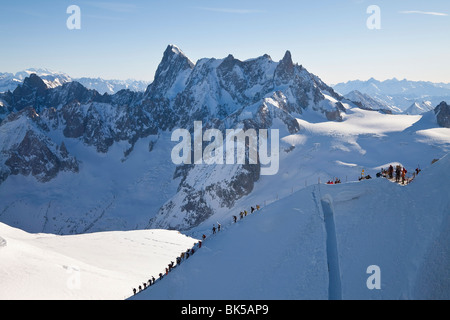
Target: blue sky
{"x":126,"y":39}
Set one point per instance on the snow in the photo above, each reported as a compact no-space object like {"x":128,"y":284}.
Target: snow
{"x":52,"y":79}
{"x":280,"y":252}
{"x":440,"y":135}
{"x":112,"y":193}
{"x":99,"y":266}
{"x":288,"y":250}
{"x":358,"y":121}
{"x":309,"y":241}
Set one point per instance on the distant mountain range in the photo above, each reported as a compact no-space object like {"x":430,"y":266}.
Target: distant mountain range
{"x":398,"y":95}
{"x":10,"y":81}
{"x":394,"y":96}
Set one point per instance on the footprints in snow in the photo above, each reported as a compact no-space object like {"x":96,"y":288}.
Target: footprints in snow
{"x":2,"y":242}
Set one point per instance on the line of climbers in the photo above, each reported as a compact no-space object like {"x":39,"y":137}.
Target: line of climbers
{"x":185,"y":255}
{"x":244,"y":213}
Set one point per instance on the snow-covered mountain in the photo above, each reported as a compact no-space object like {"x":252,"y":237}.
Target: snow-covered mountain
{"x":112,"y":153}
{"x":320,"y":242}
{"x":10,"y":81}
{"x":74,"y":161}
{"x":113,"y":86}
{"x":365,"y":101}
{"x":52,"y":79}
{"x":399,"y":94}
{"x":225,"y":93}
{"x":420,"y":108}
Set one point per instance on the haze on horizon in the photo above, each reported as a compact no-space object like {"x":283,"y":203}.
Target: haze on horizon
{"x":123,"y":40}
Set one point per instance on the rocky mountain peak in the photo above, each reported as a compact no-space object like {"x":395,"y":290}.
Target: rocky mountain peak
{"x":34,"y":82}
{"x":442,"y":112}
{"x":29,"y":93}
{"x":175,"y":64}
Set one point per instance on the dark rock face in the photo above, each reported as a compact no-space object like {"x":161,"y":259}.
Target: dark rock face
{"x":34,"y":155}
{"x":442,"y":112}
{"x":30,"y":94}
{"x":192,"y":204}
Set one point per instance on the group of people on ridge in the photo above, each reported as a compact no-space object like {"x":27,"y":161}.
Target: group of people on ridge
{"x":184,"y":256}
{"x":336,"y":181}
{"x":189,"y":252}
{"x":244,"y":213}
{"x":399,"y":173}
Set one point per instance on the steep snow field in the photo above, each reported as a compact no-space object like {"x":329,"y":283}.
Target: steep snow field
{"x":285,"y":250}
{"x":118,"y":193}
{"x":111,"y":193}
{"x":323,"y":151}
{"x":91,"y":266}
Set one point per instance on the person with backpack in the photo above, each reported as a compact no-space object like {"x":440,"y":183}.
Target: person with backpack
{"x":235,"y":219}
{"x":252,"y":209}
{"x":397,"y":174}
{"x":214,"y":229}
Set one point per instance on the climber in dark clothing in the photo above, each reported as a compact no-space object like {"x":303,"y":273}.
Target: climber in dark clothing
{"x":214,"y":229}
{"x":398,"y":171}
{"x":235,"y":219}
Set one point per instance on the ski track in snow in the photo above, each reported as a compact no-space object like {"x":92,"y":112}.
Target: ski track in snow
{"x":335,"y":287}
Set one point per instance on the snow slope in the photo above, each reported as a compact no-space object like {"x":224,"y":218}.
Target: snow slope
{"x":420,"y":108}
{"x":101,"y":266}
{"x":109,"y":193}
{"x":285,"y":250}
{"x":324,"y":150}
